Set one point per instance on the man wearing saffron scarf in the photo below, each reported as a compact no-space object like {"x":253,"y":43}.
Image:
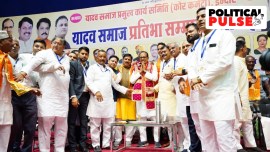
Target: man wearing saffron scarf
{"x":143,"y":77}
{"x":6,"y":83}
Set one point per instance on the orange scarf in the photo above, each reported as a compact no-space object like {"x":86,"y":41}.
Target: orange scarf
{"x":158,"y":70}
{"x":158,"y":66}
{"x":6,"y":64}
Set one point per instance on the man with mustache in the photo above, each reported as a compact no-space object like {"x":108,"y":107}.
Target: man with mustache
{"x":212,"y":74}
{"x":125,"y":107}
{"x":165,"y":87}
{"x":160,"y":47}
{"x":101,"y":105}
{"x":192,"y":35}
{"x":25,"y":32}
{"x":43,"y":29}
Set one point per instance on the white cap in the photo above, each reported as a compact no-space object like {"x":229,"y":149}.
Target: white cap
{"x":3,"y":35}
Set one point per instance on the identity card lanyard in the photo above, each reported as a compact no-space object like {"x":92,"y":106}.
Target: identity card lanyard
{"x":165,"y":64}
{"x":16,"y":62}
{"x":194,"y":47}
{"x":174,"y":63}
{"x":204,"y":46}
{"x":102,"y":67}
{"x":59,"y":58}
{"x":84,"y":70}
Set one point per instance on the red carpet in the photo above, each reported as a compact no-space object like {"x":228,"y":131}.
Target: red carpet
{"x":149,"y":148}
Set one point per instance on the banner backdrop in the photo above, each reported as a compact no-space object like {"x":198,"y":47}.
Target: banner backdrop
{"x":124,"y":26}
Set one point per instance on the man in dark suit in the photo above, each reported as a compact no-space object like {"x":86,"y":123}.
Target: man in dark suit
{"x":79,"y":98}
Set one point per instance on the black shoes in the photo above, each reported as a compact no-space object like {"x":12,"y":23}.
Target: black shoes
{"x":254,"y":149}
{"x":97,"y":149}
{"x":157,"y":145}
{"x":241,"y":150}
{"x":84,"y":149}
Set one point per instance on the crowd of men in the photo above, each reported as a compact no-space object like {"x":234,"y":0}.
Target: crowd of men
{"x":206,"y":84}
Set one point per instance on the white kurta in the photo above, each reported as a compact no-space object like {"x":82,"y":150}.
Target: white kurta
{"x":165,"y":90}
{"x":6,"y":110}
{"x":182,"y":99}
{"x":54,"y":84}
{"x":100,"y":79}
{"x":142,"y":111}
{"x":241,"y":75}
{"x":116,"y":77}
{"x":19,"y":63}
{"x":216,"y":70}
{"x":193,"y":73}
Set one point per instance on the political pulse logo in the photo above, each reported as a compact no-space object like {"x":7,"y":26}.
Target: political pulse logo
{"x":236,"y":17}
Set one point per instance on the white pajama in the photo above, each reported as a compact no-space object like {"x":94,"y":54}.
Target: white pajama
{"x":129,"y":132}
{"x":143,"y":136}
{"x":218,"y":135}
{"x":99,"y":79}
{"x":4,"y":137}
{"x":53,"y":105}
{"x":95,"y":129}
{"x":196,"y":120}
{"x":118,"y":133}
{"x":6,"y":110}
{"x":213,"y":63}
{"x":183,"y":134}
{"x":44,"y":133}
{"x":247,"y":128}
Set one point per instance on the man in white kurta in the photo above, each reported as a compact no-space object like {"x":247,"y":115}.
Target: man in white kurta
{"x":165,"y":88}
{"x":215,"y":82}
{"x":112,"y":63}
{"x":145,"y":71}
{"x":54,"y":84}
{"x":6,"y":83}
{"x":179,"y":62}
{"x":101,"y":107}
{"x":241,"y":75}
{"x":192,"y":111}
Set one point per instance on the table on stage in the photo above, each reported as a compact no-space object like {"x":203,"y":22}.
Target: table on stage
{"x":170,"y":124}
